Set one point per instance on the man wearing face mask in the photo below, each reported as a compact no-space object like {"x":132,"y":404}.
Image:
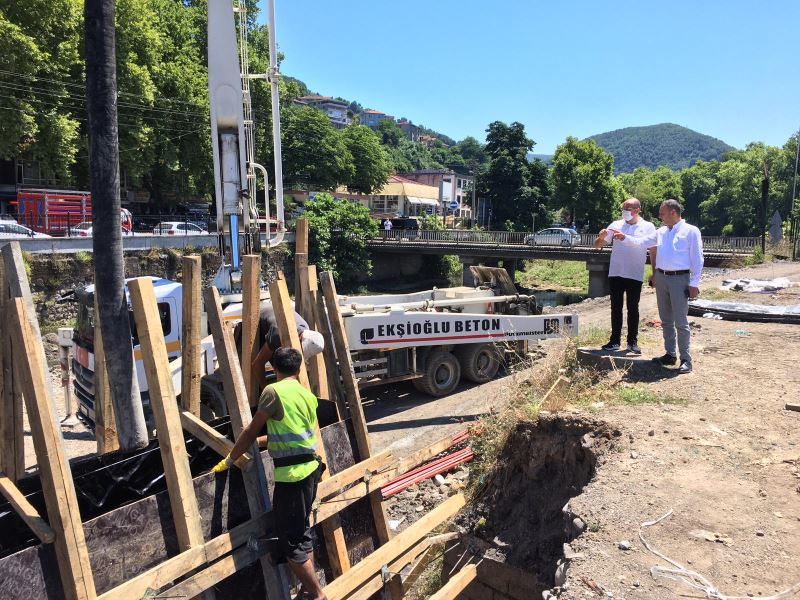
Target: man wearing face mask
{"x":626,"y":272}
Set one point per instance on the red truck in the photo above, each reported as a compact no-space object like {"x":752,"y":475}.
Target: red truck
{"x":55,"y":211}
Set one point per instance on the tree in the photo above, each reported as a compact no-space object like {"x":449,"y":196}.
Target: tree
{"x":314,"y":153}
{"x":698,"y":183}
{"x":371,"y":162}
{"x":338,"y":234}
{"x":515,"y":187}
{"x":651,"y":188}
{"x":101,"y":94}
{"x":583,"y":182}
{"x":390,"y":133}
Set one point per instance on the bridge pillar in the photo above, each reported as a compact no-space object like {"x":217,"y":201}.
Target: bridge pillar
{"x":510,"y":265}
{"x":598,"y":279}
{"x":466,"y":263}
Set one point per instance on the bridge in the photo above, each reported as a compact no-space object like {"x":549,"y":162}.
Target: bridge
{"x":490,"y":247}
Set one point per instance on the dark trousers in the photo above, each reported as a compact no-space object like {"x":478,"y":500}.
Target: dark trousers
{"x":631,"y":289}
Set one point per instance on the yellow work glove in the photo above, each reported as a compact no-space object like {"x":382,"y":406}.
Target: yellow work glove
{"x":223,"y":465}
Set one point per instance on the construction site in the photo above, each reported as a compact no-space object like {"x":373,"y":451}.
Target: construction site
{"x":476,"y":444}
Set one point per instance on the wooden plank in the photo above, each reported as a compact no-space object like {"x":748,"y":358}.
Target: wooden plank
{"x":335,"y":388}
{"x":177,"y":566}
{"x":26,"y":511}
{"x":191,"y":354}
{"x":300,"y":255}
{"x":251,"y":305}
{"x":334,"y":483}
{"x":55,"y":474}
{"x":105,"y":426}
{"x":12,"y":440}
{"x":420,"y":456}
{"x":374,"y":585}
{"x":792,"y":406}
{"x":353,"y":398}
{"x":210,"y":576}
{"x":239,"y":409}
{"x":367,"y":568}
{"x":163,"y":403}
{"x":316,"y":365}
{"x":284,"y":315}
{"x":457,"y":584}
{"x":211,"y":437}
{"x":418,"y":565}
{"x":332,"y":506}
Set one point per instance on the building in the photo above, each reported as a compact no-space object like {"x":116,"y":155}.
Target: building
{"x":451,"y":186}
{"x":335,"y":109}
{"x":412,"y":132}
{"x":372,"y":118}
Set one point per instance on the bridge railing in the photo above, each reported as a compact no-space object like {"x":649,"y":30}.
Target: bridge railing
{"x":734,"y":245}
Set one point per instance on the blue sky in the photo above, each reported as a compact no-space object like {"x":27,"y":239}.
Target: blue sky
{"x":724,"y":68}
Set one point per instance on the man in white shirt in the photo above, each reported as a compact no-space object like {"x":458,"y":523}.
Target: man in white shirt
{"x":626,"y":272}
{"x":387,"y":225}
{"x":676,"y":254}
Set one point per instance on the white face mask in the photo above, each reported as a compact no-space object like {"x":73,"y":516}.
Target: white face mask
{"x":627,"y":215}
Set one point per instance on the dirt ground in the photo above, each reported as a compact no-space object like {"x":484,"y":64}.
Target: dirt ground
{"x":726,"y":463}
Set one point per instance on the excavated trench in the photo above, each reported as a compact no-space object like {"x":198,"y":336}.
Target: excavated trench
{"x":520,"y":519}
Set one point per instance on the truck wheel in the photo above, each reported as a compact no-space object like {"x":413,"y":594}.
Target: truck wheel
{"x":442,"y":374}
{"x":479,"y":362}
{"x":212,"y":400}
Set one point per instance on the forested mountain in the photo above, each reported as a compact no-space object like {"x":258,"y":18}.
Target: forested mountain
{"x":653,"y":146}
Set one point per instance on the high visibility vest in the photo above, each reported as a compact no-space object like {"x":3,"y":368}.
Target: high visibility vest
{"x":293,"y":436}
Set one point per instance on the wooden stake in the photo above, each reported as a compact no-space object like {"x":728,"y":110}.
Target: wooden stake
{"x":335,"y":388}
{"x":12,"y":440}
{"x":255,"y":482}
{"x":457,"y":584}
{"x":251,"y":306}
{"x":55,"y":474}
{"x":26,"y":511}
{"x":386,"y":554}
{"x":105,"y":425}
{"x":178,"y":476}
{"x":211,"y":437}
{"x":191,"y":354}
{"x":300,"y":258}
{"x":284,"y":315}
{"x":353,"y":398}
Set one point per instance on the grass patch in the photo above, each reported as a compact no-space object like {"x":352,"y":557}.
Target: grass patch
{"x":592,"y":336}
{"x":640,"y":394}
{"x":715,"y":294}
{"x":563,"y":274}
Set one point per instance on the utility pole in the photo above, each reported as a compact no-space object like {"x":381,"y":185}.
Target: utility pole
{"x":792,"y":216}
{"x":764,"y":200}
{"x":109,"y":271}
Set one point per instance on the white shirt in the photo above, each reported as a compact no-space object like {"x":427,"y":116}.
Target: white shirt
{"x":387,"y":225}
{"x":627,"y":260}
{"x":677,"y":249}
{"x":680,"y":248}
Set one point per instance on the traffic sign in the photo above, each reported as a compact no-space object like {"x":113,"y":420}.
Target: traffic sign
{"x":453,"y":205}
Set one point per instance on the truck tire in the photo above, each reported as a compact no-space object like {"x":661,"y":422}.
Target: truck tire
{"x":479,"y":362}
{"x":212,"y":399}
{"x":442,"y":374}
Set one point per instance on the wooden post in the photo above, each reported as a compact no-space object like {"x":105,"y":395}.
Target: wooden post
{"x":353,"y":398}
{"x":55,"y":475}
{"x":316,"y":365}
{"x":251,"y":305}
{"x":26,"y":512}
{"x":191,"y":355}
{"x":300,"y":258}
{"x":332,"y":529}
{"x":105,"y":425}
{"x":12,"y":440}
{"x":255,"y":482}
{"x":178,"y":476}
{"x":335,"y":389}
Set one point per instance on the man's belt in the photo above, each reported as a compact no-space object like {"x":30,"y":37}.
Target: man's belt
{"x":683,"y":272}
{"x":298,"y":459}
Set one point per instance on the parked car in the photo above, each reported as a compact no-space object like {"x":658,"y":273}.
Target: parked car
{"x":178,"y":228}
{"x":12,"y":229}
{"x":553,"y":236}
{"x":84,"y":229}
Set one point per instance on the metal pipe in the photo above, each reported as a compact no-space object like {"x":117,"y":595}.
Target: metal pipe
{"x":281,"y":232}
{"x":425,"y":304}
{"x":276,"y":116}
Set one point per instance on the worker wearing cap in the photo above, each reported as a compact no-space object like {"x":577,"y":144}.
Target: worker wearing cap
{"x":269,"y":340}
{"x":290,"y":413}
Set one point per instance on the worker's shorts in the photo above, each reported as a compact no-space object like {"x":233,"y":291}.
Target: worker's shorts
{"x":291,"y":505}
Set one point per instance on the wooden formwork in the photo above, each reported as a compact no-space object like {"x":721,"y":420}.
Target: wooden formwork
{"x":201,"y":530}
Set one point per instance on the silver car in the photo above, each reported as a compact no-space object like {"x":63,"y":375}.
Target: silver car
{"x":553,"y":236}
{"x":12,"y":229}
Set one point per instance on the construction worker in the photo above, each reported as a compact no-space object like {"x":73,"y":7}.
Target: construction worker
{"x":269,"y":339}
{"x":290,"y":413}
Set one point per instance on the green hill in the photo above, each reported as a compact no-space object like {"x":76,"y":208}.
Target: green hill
{"x":652,"y":146}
